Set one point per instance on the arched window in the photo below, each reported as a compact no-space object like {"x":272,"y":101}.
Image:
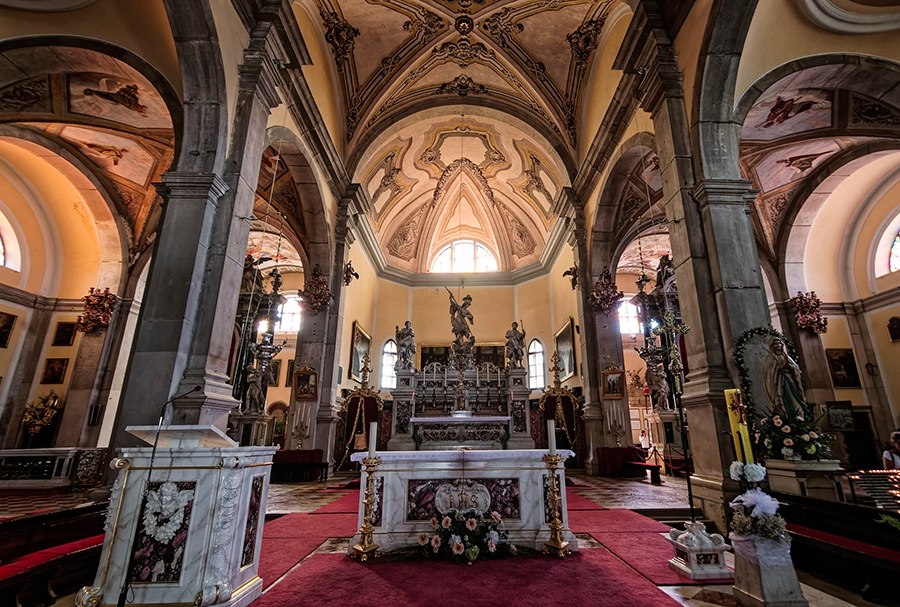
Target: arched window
{"x":388,"y":360}
{"x":464,"y":256}
{"x":536,"y":377}
{"x":628,"y":318}
{"x":894,"y":263}
{"x":290,"y":318}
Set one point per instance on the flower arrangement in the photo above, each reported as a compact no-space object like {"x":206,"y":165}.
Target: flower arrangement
{"x":97,"y":310}
{"x":465,"y":537}
{"x":317,"y":295}
{"x":781,"y":438}
{"x":808,"y":313}
{"x":605,"y":296}
{"x":755,"y":511}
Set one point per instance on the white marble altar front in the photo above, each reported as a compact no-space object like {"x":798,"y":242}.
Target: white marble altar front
{"x":408,"y":485}
{"x":194,"y":538}
{"x":471,"y":431}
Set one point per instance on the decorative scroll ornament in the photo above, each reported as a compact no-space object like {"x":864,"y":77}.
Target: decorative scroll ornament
{"x":604,"y":296}
{"x":317,"y":295}
{"x":339,"y":34}
{"x":462,"y":85}
{"x":808,"y":312}
{"x":584,"y":40}
{"x":97,"y":310}
{"x":164,"y":511}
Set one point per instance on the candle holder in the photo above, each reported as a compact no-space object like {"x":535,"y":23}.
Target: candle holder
{"x":367,"y":546}
{"x":557,"y":545}
{"x":617,"y":431}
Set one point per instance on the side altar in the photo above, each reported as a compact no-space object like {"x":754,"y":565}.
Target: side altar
{"x":411,"y":487}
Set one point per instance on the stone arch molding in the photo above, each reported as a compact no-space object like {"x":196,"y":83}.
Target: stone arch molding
{"x":827,"y":15}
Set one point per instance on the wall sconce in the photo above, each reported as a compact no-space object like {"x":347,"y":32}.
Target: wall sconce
{"x":349,"y":273}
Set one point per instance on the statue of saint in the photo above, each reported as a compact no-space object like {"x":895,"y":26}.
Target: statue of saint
{"x":406,"y":347}
{"x":659,"y":386}
{"x":460,"y":317}
{"x":784,"y":388}
{"x":254,"y":398}
{"x":252,"y":278}
{"x":665,"y":274}
{"x":515,"y":346}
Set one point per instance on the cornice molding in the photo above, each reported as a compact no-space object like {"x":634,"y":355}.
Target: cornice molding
{"x":23,"y":298}
{"x":833,"y":18}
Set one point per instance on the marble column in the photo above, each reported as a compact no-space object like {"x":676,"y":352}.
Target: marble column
{"x":184,"y":336}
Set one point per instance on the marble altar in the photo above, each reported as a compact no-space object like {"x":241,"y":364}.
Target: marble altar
{"x":442,"y":433}
{"x":194,"y":536}
{"x":412,"y":486}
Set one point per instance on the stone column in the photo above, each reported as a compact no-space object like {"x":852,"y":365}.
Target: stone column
{"x":401,"y":429}
{"x":84,"y":389}
{"x":184,"y":335}
{"x":520,"y":422}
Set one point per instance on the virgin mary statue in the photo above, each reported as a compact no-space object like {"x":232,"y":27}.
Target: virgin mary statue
{"x":784,"y":389}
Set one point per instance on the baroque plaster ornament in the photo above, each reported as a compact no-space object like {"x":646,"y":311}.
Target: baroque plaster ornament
{"x":23,"y":96}
{"x":807,"y":312}
{"x":604,"y":296}
{"x":97,"y":310}
{"x":339,"y":34}
{"x":462,"y":164}
{"x":164,"y":511}
{"x":316,"y":295}
{"x":584,"y":40}
{"x":462,"y":85}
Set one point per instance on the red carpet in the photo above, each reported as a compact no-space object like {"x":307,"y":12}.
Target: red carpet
{"x":648,"y":554}
{"x":615,"y":520}
{"x":288,"y":539}
{"x":593,"y":578}
{"x":574,"y":501}
{"x":348,"y":504}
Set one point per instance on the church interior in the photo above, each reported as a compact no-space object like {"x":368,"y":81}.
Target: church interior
{"x":287,"y":281}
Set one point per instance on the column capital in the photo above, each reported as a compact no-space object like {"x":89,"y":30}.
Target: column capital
{"x":738,"y":192}
{"x":182,"y":185}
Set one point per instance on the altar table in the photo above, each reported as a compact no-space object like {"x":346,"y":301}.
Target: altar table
{"x":511,"y":482}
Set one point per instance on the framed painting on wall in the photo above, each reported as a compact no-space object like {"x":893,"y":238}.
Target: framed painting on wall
{"x":842,"y":365}
{"x":306,"y":384}
{"x":565,"y":347}
{"x":613,"y":385}
{"x":361,"y":342}
{"x":65,"y":334}
{"x":55,"y":370}
{"x":7,"y":322}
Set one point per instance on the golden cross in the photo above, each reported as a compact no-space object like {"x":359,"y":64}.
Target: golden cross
{"x":671,"y":331}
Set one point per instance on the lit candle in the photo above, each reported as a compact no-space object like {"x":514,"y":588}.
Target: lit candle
{"x":373,"y":438}
{"x":551,"y":435}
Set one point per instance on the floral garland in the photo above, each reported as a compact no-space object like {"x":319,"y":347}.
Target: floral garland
{"x":739,"y":347}
{"x":808,"y":314}
{"x":464,"y":537}
{"x":97,"y":310}
{"x":317,"y":295}
{"x":604,"y":296}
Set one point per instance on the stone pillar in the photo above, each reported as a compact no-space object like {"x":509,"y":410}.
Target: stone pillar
{"x":87,"y":375}
{"x":520,"y":422}
{"x":183,"y":340}
{"x":404,"y":406}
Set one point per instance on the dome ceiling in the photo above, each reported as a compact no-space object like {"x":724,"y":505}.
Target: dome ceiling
{"x":529,"y":58}
{"x":433,"y":180}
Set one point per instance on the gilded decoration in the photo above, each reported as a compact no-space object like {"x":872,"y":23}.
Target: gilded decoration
{"x":39,"y":414}
{"x":316,"y":295}
{"x":97,"y":310}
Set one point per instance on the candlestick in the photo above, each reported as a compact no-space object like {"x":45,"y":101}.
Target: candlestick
{"x":373,"y":438}
{"x":551,"y":435}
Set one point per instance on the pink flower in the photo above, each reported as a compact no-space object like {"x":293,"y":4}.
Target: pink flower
{"x":433,"y":522}
{"x":423,"y":539}
{"x":435,"y":541}
{"x":788,"y":442}
{"x":777,"y":421}
{"x":492,"y":546}
{"x":496,"y":515}
{"x":813,"y":435}
{"x":471,"y":524}
{"x":458,"y":549}
{"x":446,"y":522}
{"x":786,"y":429}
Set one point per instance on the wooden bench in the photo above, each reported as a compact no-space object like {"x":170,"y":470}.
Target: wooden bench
{"x":643,"y":466}
{"x":304,"y":464}
{"x":868,"y":568}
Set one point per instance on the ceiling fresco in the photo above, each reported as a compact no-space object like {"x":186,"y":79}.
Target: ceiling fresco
{"x":530,"y":58}
{"x":114,"y":121}
{"x":642,"y":255}
{"x":796,"y":128}
{"x":465,"y":177}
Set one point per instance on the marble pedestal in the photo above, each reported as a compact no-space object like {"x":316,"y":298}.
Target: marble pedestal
{"x":194,"y":536}
{"x":764,"y":574}
{"x":819,"y":479}
{"x":512,"y":482}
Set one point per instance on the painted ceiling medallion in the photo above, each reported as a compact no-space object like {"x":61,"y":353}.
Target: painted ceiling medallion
{"x":464,"y":25}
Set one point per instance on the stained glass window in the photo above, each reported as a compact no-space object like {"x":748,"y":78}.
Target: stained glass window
{"x":895,"y":254}
{"x":464,"y":256}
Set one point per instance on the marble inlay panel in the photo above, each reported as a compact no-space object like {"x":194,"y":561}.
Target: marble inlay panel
{"x":165,"y":516}
{"x":378,"y":506}
{"x":252,"y":521}
{"x":421,"y":494}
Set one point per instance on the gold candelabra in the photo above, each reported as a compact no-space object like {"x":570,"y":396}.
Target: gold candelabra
{"x":617,"y":432}
{"x":367,"y":546}
{"x":557,"y":545}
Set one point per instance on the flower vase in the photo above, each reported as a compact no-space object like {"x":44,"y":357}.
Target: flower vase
{"x":819,"y":479}
{"x":764,"y":574}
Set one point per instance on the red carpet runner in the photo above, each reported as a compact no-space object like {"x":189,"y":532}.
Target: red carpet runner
{"x":625,"y":571}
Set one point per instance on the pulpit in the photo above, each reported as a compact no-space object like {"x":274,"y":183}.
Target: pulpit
{"x":191,"y":533}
